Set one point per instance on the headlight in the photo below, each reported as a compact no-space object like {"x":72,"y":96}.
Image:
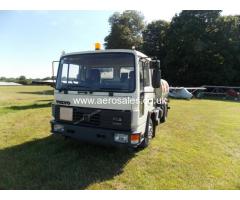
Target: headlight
{"x":121,"y":138}
{"x":58,"y":127}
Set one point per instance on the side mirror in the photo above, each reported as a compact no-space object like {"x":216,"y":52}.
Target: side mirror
{"x":155,"y":64}
{"x":156,"y":78}
{"x":53,"y":74}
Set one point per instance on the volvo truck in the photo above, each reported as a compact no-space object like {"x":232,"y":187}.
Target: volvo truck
{"x":110,"y":97}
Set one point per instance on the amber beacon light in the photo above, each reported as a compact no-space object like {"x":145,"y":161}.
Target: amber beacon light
{"x":97,"y":46}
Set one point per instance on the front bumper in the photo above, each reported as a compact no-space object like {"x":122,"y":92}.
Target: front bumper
{"x":91,"y":134}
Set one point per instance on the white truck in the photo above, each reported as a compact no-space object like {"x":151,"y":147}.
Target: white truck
{"x":110,"y":97}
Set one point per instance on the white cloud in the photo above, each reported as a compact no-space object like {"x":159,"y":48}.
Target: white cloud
{"x":160,"y":14}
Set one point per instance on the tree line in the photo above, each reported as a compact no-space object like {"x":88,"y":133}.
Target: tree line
{"x":197,"y":47}
{"x":23,"y":80}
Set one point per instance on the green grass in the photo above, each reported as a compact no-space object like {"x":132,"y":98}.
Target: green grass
{"x":198,"y":148}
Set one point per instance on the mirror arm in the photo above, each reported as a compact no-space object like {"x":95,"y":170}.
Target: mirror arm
{"x":53,"y":62}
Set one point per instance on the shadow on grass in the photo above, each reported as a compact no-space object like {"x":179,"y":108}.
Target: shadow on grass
{"x":45,"y":100}
{"x":44,"y":92}
{"x":55,"y":163}
{"x":31,"y":106}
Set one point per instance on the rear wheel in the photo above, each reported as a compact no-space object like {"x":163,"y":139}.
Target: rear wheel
{"x":165,"y":113}
{"x":155,"y":124}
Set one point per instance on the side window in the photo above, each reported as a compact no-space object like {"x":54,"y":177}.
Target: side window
{"x":64,"y":73}
{"x":146,"y":74}
{"x":141,"y":75}
{"x":141,"y":104}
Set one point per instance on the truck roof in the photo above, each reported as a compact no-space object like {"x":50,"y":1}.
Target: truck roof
{"x":138,"y":53}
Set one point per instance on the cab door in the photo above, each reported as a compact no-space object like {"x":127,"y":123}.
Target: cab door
{"x":146,"y":91}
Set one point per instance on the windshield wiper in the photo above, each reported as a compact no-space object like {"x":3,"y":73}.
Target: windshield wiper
{"x":118,"y":89}
{"x":68,"y":87}
{"x":80,"y":86}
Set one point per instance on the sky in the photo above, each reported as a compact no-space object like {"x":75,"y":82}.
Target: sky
{"x":31,"y":40}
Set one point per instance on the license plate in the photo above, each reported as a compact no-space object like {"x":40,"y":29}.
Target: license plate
{"x":66,"y":114}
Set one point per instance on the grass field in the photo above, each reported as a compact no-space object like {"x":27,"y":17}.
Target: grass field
{"x":198,"y":148}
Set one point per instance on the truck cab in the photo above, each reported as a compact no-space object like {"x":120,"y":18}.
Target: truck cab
{"x":110,"y":97}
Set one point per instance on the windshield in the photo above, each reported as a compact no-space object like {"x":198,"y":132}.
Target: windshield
{"x":97,"y":72}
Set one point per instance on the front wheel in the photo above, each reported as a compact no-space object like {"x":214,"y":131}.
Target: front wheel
{"x":149,"y":132}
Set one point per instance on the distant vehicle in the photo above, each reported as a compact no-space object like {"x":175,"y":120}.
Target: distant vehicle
{"x":105,"y":75}
{"x":184,"y":92}
{"x":224,"y":92}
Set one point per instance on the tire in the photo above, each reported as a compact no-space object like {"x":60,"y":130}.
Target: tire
{"x":155,"y":124}
{"x":165,"y":113}
{"x":149,"y":132}
{"x":154,"y":129}
{"x":66,"y":137}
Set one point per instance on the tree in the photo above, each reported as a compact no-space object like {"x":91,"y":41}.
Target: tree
{"x":23,"y":80}
{"x":47,"y":78}
{"x":154,"y":41}
{"x":229,"y":46}
{"x":126,"y":30}
{"x":198,"y":47}
{"x":192,"y":54}
{"x":2,"y":78}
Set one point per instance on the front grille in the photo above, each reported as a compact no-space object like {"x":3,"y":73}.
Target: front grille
{"x":83,"y":116}
{"x":101,"y":118}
